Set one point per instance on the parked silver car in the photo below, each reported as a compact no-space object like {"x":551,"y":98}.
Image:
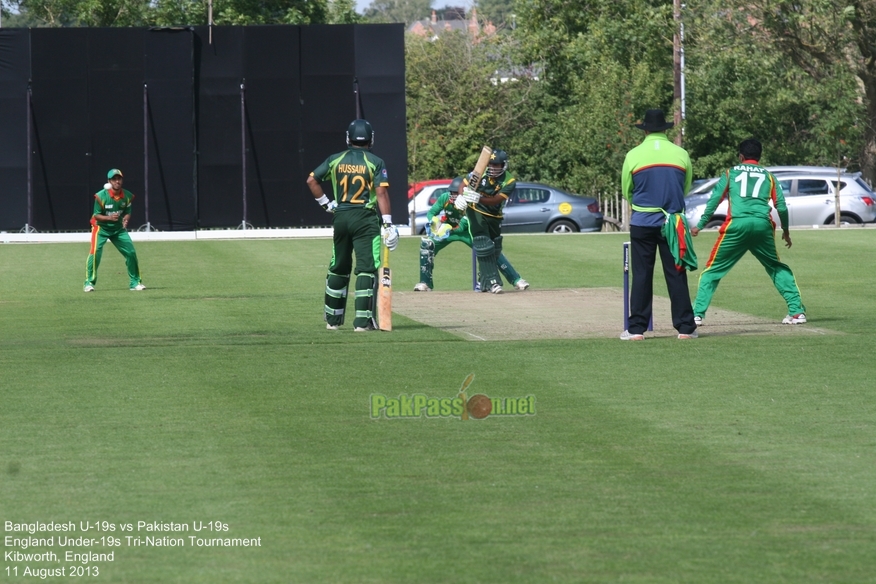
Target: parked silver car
{"x":538,"y":208}
{"x":809,"y":193}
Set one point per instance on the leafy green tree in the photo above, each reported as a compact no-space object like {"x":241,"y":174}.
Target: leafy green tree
{"x":342,"y":12}
{"x":602,"y":65}
{"x":84,"y":12}
{"x":740,"y":86}
{"x":456,"y":103}
{"x":240,"y":12}
{"x":579,"y":141}
{"x":406,"y":11}
{"x":499,"y":12}
{"x":174,"y":12}
{"x":827,"y":40}
{"x":569,"y":37}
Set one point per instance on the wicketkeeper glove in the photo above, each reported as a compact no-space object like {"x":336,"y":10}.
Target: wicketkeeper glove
{"x":439,"y":231}
{"x":326,"y":204}
{"x":390,"y":233}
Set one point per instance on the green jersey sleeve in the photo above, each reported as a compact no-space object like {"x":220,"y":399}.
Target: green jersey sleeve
{"x":715,"y":199}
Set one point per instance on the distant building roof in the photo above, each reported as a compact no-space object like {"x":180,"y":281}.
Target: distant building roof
{"x":433,"y":27}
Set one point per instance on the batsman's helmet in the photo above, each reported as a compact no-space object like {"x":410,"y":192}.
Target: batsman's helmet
{"x":454,"y":186}
{"x":360,"y":133}
{"x":498,"y":163}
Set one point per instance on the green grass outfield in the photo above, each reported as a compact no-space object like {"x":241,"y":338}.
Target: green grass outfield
{"x":217,"y":395}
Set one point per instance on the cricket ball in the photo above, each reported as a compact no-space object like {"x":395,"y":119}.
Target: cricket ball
{"x":479,"y":406}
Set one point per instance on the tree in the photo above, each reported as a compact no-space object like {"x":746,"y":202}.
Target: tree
{"x":406,"y":11}
{"x":342,"y":12}
{"x":499,"y":12}
{"x":602,"y":64}
{"x":84,"y":12}
{"x":739,"y":86}
{"x":456,"y":104}
{"x":826,"y":39}
{"x":173,"y":12}
{"x":240,"y":12}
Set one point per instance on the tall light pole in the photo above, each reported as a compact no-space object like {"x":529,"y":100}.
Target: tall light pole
{"x":678,"y":105}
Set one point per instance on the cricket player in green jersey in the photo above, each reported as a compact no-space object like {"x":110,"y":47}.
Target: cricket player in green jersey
{"x":109,"y":221}
{"x":361,"y":202}
{"x":749,"y":189}
{"x":447,"y":224}
{"x":483,"y":209}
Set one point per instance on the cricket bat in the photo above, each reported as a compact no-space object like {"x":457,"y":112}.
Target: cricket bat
{"x":384,"y":294}
{"x":480,"y":167}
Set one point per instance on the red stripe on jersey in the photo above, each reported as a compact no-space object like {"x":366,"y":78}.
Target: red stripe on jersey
{"x":676,"y":167}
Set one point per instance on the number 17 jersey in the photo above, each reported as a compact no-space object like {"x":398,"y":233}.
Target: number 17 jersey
{"x":749,"y":188}
{"x":355,"y":175}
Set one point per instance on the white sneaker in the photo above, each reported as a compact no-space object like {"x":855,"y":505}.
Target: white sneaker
{"x":331,"y":327}
{"x":693,"y":335}
{"x":626,"y":336}
{"x":496,"y":289}
{"x":795,"y":319}
{"x":88,"y":288}
{"x":421,"y":287}
{"x":138,"y":287}
{"x":698,"y":320}
{"x":521,"y":284}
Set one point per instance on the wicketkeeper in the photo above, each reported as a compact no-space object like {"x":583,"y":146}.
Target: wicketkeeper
{"x":447,"y":224}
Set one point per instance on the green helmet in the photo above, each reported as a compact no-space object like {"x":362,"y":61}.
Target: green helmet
{"x":498,"y":163}
{"x":359,"y":133}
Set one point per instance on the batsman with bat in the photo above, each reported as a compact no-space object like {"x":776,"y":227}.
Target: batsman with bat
{"x":447,"y":224}
{"x":360,"y":204}
{"x":483,"y":201}
{"x":109,"y":221}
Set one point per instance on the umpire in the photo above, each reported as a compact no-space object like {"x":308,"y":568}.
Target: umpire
{"x":655,"y":177}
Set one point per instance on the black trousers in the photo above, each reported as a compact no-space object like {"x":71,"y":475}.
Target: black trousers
{"x":645,"y":241}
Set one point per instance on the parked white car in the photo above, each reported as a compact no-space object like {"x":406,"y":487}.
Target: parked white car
{"x":810,"y":196}
{"x":426,"y":197}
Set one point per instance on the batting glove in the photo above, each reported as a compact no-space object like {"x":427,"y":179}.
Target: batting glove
{"x":471,"y":195}
{"x":460,"y":203}
{"x":390,"y":234}
{"x":326,"y":204}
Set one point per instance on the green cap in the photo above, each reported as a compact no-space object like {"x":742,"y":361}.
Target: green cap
{"x":114,"y":172}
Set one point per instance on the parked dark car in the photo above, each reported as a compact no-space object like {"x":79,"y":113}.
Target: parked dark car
{"x":538,"y":208}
